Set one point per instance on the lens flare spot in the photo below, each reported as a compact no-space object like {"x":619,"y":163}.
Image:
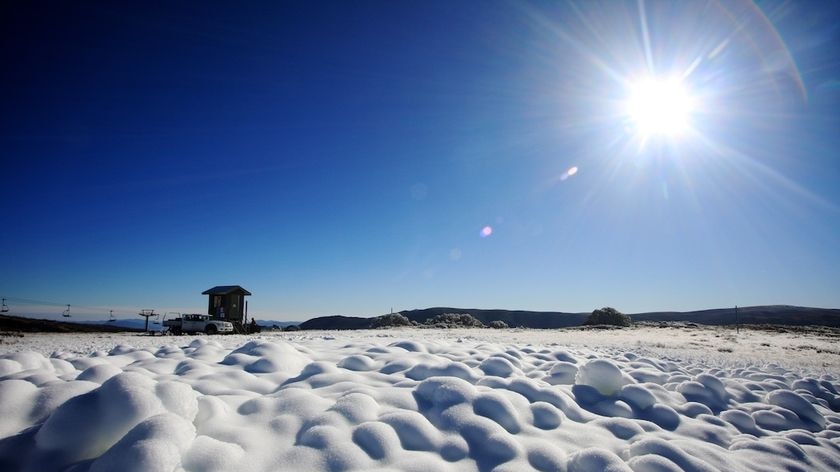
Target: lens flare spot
{"x":486,"y":231}
{"x":569,"y":172}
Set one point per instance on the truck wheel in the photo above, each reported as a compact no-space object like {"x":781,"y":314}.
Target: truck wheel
{"x":176,"y":332}
{"x":210,"y":329}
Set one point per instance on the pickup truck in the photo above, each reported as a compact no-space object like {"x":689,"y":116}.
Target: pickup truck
{"x":195,"y":323}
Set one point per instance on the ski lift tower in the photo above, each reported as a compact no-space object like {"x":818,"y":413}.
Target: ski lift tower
{"x":147,"y":314}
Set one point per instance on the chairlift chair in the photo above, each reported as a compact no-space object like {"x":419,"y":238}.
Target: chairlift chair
{"x":4,"y":308}
{"x":111,"y":318}
{"x":66,"y":313}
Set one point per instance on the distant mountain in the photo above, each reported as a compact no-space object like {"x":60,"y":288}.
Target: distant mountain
{"x":771,"y":314}
{"x":139,"y":323}
{"x":126,"y":323}
{"x":273,"y":323}
{"x":32,"y":325}
{"x":336,"y":322}
{"x":513,"y":318}
{"x":757,"y":315}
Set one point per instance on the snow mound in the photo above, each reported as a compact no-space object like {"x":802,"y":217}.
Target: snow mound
{"x":603,"y":375}
{"x":366,"y":401}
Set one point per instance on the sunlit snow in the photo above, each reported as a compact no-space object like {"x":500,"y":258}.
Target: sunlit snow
{"x":663,"y":399}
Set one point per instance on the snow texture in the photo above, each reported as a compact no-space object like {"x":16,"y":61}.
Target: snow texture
{"x":421,"y":400}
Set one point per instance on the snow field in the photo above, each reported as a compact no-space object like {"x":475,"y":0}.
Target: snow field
{"x":406,"y":400}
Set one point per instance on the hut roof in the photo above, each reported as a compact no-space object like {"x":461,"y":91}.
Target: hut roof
{"x":225,"y":290}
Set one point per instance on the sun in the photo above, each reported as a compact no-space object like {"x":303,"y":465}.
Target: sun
{"x":659,"y":107}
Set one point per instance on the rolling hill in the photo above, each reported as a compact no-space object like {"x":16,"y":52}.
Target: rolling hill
{"x":769,"y":314}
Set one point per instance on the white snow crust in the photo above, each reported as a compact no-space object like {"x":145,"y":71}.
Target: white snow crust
{"x":647,"y":399}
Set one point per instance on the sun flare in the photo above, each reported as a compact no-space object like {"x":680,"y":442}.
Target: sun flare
{"x":659,"y":107}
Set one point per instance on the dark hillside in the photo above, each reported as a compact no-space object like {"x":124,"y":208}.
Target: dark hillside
{"x":755,"y":315}
{"x":769,"y":314}
{"x":31,"y":325}
{"x":513,"y":318}
{"x":336,"y":322}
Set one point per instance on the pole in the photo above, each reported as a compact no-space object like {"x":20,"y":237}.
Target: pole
{"x":737,"y":321}
{"x":146,"y":314}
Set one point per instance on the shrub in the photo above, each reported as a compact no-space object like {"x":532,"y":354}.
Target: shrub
{"x":390,"y":320}
{"x":498,"y":324}
{"x":454,"y":320}
{"x":608,"y":316}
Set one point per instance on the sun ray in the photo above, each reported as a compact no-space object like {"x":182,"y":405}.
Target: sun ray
{"x":646,"y":36}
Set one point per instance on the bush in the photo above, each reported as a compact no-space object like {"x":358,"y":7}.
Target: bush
{"x":390,"y":320}
{"x":454,"y":320}
{"x":498,"y":324}
{"x":608,"y":316}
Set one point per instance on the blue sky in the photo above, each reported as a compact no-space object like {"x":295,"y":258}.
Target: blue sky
{"x":344,"y":158}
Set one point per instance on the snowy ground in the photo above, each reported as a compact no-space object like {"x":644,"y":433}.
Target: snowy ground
{"x":647,"y":399}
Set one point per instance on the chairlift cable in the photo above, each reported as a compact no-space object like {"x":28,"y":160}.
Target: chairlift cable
{"x":86,"y":308}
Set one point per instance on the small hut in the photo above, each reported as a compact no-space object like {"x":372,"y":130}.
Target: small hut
{"x":227,"y":302}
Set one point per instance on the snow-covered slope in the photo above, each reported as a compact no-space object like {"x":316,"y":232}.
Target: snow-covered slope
{"x":644,"y":399}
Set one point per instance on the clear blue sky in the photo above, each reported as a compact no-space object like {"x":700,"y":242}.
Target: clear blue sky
{"x":346,"y":157}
